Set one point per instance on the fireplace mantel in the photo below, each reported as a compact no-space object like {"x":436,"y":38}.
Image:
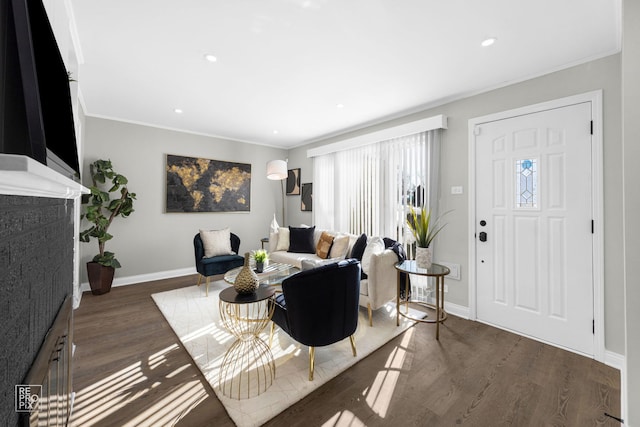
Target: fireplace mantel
{"x":22,"y":176}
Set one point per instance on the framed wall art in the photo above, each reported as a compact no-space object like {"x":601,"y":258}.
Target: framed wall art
{"x":204,"y":185}
{"x":293,"y":182}
{"x":306,"y":201}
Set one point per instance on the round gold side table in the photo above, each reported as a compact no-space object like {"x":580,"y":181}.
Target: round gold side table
{"x":436,"y":270}
{"x":248,"y":368}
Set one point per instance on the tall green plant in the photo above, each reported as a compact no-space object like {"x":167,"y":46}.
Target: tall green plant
{"x":422,"y":228}
{"x":101,"y":210}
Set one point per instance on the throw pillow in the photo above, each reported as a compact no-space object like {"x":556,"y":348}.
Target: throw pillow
{"x":396,"y":247}
{"x":340,"y":247}
{"x":308,"y":264}
{"x":358,"y":247}
{"x":216,"y":242}
{"x":324,"y":245}
{"x":283,"y":239}
{"x":301,"y":240}
{"x":374,"y":246}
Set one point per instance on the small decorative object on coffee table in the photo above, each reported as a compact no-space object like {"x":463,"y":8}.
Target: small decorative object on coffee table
{"x":247,"y":281}
{"x":260,"y":256}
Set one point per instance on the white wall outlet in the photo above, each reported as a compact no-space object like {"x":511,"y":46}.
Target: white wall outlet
{"x":456,"y":189}
{"x":446,"y":289}
{"x":454,"y":268}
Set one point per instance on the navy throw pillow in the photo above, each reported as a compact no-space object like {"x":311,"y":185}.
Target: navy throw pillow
{"x":396,"y":247}
{"x":358,"y":247}
{"x":301,"y":240}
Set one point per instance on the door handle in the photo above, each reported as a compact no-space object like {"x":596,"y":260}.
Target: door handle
{"x":482,"y":236}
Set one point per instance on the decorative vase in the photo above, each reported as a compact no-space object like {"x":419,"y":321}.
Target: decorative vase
{"x":423,"y":257}
{"x":259,"y":266}
{"x":246,"y":281}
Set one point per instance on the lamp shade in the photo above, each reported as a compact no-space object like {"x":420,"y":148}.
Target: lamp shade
{"x":277,"y":169}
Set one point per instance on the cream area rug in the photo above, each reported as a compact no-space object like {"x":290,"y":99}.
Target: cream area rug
{"x":196,"y":321}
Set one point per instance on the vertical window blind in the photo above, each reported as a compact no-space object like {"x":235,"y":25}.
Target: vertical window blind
{"x":369,"y":189}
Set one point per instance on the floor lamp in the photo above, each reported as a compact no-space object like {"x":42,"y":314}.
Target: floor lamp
{"x":277,"y":170}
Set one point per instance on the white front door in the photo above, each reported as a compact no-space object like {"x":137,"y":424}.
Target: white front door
{"x":533,"y":226}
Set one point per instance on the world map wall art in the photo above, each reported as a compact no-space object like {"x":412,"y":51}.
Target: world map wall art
{"x":203,"y":185}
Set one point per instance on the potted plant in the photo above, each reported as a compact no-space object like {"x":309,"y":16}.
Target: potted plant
{"x":424,"y":231}
{"x":260,"y":256}
{"x":100,"y":211}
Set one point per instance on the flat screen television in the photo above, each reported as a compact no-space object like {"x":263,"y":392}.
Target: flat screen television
{"x":37,"y":116}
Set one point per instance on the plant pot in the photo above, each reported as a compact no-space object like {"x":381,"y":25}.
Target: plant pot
{"x":100,"y":277}
{"x":259,"y":266}
{"x":423,"y":257}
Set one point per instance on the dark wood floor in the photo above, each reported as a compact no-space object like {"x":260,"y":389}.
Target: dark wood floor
{"x":130,"y":369}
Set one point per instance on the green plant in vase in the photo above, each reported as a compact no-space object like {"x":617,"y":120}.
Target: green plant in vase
{"x":100,"y":210}
{"x":424,"y":230}
{"x":260,"y":256}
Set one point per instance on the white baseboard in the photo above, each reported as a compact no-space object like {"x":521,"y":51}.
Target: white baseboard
{"x":130,"y":280}
{"x":614,"y":360}
{"x":618,"y":361}
{"x":456,"y":310}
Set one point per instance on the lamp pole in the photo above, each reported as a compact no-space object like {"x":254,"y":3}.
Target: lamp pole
{"x":284,"y":221}
{"x":277,"y":170}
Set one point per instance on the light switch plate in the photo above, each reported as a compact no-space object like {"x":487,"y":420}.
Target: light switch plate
{"x":456,"y":189}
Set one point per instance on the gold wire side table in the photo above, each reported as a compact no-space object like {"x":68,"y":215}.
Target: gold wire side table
{"x":438,"y":272}
{"x":248,"y":368}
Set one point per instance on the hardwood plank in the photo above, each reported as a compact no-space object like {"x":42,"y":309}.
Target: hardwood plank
{"x":130,"y":369}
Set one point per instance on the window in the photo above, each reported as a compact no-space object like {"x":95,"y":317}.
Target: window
{"x":369,"y":189}
{"x":526,"y":183}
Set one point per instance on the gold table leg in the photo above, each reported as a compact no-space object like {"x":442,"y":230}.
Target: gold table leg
{"x":248,"y":367}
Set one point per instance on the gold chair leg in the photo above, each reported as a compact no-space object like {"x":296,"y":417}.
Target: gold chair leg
{"x":353,"y":345}
{"x":312,"y":359}
{"x":370,"y":315}
{"x":273,"y":326}
{"x":207,"y":280}
{"x":199,"y":280}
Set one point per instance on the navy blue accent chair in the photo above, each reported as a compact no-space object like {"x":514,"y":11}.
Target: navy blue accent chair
{"x":318,"y":307}
{"x":218,"y":264}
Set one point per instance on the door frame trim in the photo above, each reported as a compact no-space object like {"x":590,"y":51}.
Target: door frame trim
{"x":597,"y":185}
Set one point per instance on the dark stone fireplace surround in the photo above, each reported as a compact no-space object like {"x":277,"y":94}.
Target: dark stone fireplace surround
{"x":37,"y":238}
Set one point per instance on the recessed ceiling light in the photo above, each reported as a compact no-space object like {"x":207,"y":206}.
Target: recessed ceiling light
{"x":340,"y":106}
{"x":488,"y":42}
{"x":275,"y":131}
{"x":177,"y":110}
{"x":211,"y":58}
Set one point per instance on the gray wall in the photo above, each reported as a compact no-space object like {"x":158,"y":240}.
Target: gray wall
{"x":453,"y":243}
{"x":150,"y":240}
{"x":295,"y":216}
{"x":631,"y":152}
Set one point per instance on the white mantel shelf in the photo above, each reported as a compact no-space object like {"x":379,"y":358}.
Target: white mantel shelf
{"x":23,"y":176}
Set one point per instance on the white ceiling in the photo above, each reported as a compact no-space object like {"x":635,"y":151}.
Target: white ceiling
{"x":285,"y":65}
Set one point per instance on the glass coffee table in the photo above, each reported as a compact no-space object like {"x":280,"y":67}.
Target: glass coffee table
{"x":272,"y":275}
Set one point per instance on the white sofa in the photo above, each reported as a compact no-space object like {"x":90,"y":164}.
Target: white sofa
{"x":375,"y":291}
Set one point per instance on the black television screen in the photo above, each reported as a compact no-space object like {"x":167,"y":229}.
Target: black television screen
{"x":37,"y":115}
